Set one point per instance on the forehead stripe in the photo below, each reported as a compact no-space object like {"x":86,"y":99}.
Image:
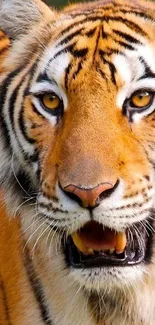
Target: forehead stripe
{"x":125,"y":45}
{"x":44,"y":77}
{"x":116,"y":10}
{"x":127,"y":37}
{"x":111,"y":66}
{"x":132,"y":25}
{"x":70,"y":48}
{"x":67,"y":74}
{"x":70,"y":37}
{"x":147,"y":71}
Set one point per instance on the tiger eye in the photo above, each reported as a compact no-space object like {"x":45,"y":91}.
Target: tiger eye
{"x":141,"y":100}
{"x":51,"y":101}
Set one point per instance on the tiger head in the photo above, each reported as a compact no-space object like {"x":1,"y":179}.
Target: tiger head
{"x":77,"y":133}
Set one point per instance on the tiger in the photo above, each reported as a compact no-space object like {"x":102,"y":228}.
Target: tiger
{"x":77,"y":159}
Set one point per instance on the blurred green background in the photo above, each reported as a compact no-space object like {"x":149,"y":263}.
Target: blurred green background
{"x":59,"y":3}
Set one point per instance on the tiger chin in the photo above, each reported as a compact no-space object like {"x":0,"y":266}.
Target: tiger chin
{"x":77,"y":157}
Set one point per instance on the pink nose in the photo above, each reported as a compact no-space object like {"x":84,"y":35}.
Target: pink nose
{"x":90,"y":197}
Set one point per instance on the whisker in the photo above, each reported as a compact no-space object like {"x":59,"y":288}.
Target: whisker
{"x":30,"y":237}
{"x":36,"y":220}
{"x":18,"y":208}
{"x":42,"y":233}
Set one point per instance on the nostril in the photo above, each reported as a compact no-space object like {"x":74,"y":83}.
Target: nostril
{"x":74,"y":197}
{"x":89,"y":197}
{"x":107,"y":193}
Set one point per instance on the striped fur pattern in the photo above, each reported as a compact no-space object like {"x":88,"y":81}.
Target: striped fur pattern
{"x":93,"y":56}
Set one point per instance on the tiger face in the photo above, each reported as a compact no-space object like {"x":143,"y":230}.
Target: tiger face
{"x":77,"y":102}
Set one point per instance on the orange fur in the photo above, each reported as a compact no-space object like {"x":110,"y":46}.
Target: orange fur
{"x":93,"y":143}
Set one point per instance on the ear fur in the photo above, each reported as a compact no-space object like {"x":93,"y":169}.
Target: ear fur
{"x":19,"y":16}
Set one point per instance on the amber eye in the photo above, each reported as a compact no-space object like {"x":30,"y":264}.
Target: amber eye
{"x":142,"y":99}
{"x":52,"y":103}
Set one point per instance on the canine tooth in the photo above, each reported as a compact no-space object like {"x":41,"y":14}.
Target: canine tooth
{"x":121,"y":242}
{"x":111,"y":251}
{"x":80,"y":245}
{"x":78,"y":242}
{"x":119,"y":252}
{"x":90,"y":251}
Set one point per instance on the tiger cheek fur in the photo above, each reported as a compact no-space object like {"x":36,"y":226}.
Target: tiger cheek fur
{"x":77,"y":100}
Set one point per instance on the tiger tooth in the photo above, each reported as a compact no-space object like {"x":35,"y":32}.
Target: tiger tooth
{"x":121,"y":242}
{"x":78,"y":242}
{"x":90,"y":251}
{"x":119,"y":252}
{"x":111,"y":251}
{"x":81,"y":247}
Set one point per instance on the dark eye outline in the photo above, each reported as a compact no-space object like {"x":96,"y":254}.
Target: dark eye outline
{"x":130,"y":109}
{"x":55,"y":112}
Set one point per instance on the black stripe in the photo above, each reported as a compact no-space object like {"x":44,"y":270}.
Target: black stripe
{"x":96,"y":46}
{"x":59,"y":229}
{"x":131,"y":10}
{"x":148,"y":73}
{"x":35,"y":157}
{"x":129,"y":23}
{"x":111,"y":66}
{"x":14,"y":96}
{"x":3,"y":92}
{"x":11,"y":109}
{"x":5,"y":131}
{"x":44,"y":77}
{"x":37,"y":289}
{"x":25,"y":182}
{"x":21,"y":115}
{"x":79,"y":68}
{"x":67,"y":71}
{"x":6,"y":83}
{"x":127,"y":37}
{"x":103,"y":75}
{"x":5,"y":303}
{"x":70,"y":37}
{"x":136,"y":13}
{"x":125,"y":45}
{"x":80,"y":53}
{"x":110,"y":51}
{"x":103,"y":33}
{"x":12,"y":101}
{"x":22,"y":126}
{"x":68,"y":48}
{"x":91,"y":32}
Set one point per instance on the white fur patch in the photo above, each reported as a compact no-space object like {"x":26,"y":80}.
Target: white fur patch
{"x":130,"y":69}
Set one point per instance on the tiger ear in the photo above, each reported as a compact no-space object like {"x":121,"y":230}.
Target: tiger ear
{"x":17,"y":17}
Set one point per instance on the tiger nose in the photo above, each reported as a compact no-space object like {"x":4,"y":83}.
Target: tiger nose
{"x":90,"y":197}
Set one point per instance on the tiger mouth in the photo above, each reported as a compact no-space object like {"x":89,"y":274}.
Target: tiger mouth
{"x":96,"y":246}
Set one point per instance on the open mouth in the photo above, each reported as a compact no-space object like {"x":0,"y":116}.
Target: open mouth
{"x":98,"y":246}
